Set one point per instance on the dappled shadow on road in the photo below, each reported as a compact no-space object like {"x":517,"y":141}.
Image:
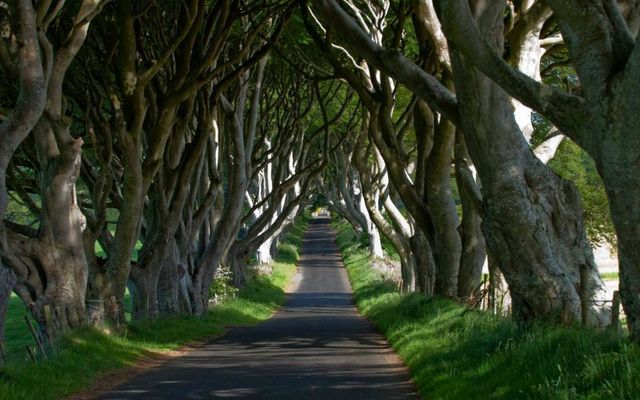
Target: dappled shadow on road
{"x":317,"y":263}
{"x":320,"y":240}
{"x":293,"y":366}
{"x":303,"y":382}
{"x":316,"y":347}
{"x":324,"y":300}
{"x":319,"y":249}
{"x":311,"y":349}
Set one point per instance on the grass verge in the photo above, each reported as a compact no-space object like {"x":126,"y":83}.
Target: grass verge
{"x":454,"y":353}
{"x":83,"y":355}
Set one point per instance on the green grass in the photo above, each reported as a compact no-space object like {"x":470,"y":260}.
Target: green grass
{"x":609,"y":276}
{"x":454,"y":353}
{"x":289,"y":248}
{"x":84,"y":354}
{"x":17,"y":334}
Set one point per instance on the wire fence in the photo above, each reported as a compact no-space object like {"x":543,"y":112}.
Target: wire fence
{"x":497,"y":301}
{"x":113,"y":309}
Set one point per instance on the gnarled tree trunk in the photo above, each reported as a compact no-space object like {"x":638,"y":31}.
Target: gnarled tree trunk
{"x":473,"y":244}
{"x":60,"y":248}
{"x":533,"y":219}
{"x":448,"y":245}
{"x":17,"y":125}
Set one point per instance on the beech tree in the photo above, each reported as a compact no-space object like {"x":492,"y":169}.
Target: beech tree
{"x":348,"y":196}
{"x":541,"y":259}
{"x":601,"y":118}
{"x":117,"y":110}
{"x":20,"y":60}
{"x":376,"y":191}
{"x":383,"y":131}
{"x":50,"y":262}
{"x":284,"y":168}
{"x":162,"y":111}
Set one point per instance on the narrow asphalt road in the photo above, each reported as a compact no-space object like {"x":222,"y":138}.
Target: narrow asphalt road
{"x":315,"y":347}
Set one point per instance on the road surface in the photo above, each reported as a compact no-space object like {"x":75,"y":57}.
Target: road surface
{"x":316,"y":346}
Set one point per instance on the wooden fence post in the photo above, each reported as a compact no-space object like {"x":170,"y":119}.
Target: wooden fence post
{"x":2,"y":352}
{"x":57,"y":318}
{"x":30,"y":353}
{"x":492,"y":277}
{"x":114,"y":311}
{"x":615,"y":311}
{"x":48,"y":319}
{"x":35,"y":336}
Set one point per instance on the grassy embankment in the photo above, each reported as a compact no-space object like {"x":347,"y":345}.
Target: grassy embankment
{"x":83,"y":355}
{"x":454,"y":353}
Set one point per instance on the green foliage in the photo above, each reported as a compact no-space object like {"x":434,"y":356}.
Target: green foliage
{"x":454,"y":353}
{"x":288,"y":253}
{"x":575,"y":165}
{"x":364,"y":241}
{"x":17,"y":335}
{"x":319,"y":201}
{"x":289,"y":248}
{"x":609,"y":276}
{"x":388,"y":248}
{"x":18,"y":212}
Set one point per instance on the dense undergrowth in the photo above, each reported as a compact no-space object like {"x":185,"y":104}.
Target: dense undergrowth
{"x":454,"y":353}
{"x":83,"y":355}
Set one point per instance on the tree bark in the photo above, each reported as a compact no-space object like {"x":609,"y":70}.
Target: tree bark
{"x":448,"y":246}
{"x":425,"y":264}
{"x":617,"y":163}
{"x":7,"y":281}
{"x":171,"y":281}
{"x":228,"y":227}
{"x":15,"y":128}
{"x":473,"y":244}
{"x":533,"y":222}
{"x":533,"y":219}
{"x":602,"y":119}
{"x":375,"y":245}
{"x":55,"y":254}
{"x":396,"y":232}
{"x":61,"y":224}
